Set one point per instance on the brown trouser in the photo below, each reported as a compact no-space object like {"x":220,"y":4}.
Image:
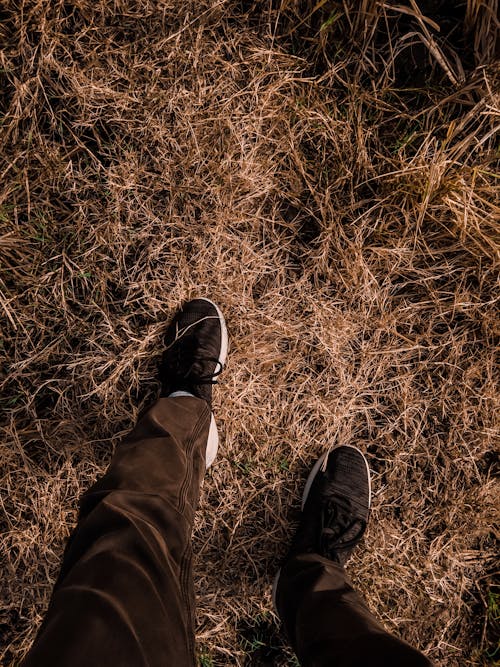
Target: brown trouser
{"x":124,"y":597}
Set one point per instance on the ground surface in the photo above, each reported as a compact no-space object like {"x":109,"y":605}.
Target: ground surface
{"x":328,"y":176}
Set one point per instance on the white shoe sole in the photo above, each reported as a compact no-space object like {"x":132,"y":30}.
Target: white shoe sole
{"x":213,"y":434}
{"x":212,"y":443}
{"x":316,"y":468}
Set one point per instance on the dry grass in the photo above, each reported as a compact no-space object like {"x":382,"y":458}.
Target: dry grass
{"x":328,"y":175}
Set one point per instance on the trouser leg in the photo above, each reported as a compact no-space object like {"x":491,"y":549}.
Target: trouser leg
{"x":328,"y":623}
{"x":124,"y":597}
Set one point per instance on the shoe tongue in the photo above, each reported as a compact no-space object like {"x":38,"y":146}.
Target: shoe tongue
{"x":333,"y":496}
{"x":337,"y":515}
{"x":340,"y":521}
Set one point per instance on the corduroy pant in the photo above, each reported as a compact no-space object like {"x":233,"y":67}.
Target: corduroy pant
{"x":124,"y":596}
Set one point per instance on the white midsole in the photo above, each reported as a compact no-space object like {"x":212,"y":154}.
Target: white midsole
{"x":213,"y":434}
{"x":212,"y":442}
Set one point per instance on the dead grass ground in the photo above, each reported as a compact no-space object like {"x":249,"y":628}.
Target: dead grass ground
{"x":328,"y":175}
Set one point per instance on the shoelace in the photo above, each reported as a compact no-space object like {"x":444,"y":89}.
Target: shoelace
{"x":204,"y":379}
{"x":174,"y":367}
{"x":336,"y":522}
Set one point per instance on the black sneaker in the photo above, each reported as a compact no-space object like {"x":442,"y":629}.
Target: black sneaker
{"x":335,"y":507}
{"x":196,"y":350}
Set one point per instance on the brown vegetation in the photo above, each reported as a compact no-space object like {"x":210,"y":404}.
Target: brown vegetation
{"x":327,"y":173}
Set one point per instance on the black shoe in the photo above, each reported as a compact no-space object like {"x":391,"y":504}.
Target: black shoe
{"x":196,"y":350}
{"x":335,"y":506}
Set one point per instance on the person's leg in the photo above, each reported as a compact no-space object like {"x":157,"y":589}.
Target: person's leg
{"x":327,"y":622}
{"x":124,"y":595}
